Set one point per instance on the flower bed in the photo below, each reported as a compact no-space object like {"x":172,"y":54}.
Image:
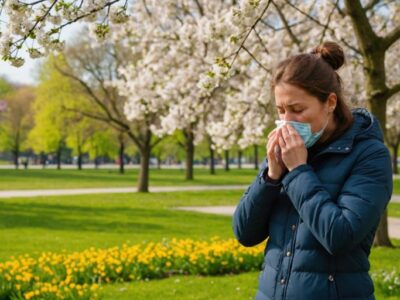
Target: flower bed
{"x":78,"y":275}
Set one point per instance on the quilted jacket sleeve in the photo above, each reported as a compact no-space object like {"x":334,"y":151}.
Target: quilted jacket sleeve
{"x":341,"y":225}
{"x":250,"y":220}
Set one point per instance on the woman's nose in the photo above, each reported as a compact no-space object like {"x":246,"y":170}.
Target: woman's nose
{"x":287,"y":117}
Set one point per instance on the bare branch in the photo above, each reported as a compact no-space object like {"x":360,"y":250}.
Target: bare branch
{"x":201,"y":10}
{"x":97,"y":100}
{"x":322,"y":25}
{"x":341,"y":11}
{"x":281,"y":28}
{"x":328,"y":21}
{"x":146,"y":8}
{"x":248,"y":33}
{"x":261,"y":41}
{"x":33,"y":3}
{"x":88,"y":114}
{"x":286,"y":24}
{"x":256,"y":60}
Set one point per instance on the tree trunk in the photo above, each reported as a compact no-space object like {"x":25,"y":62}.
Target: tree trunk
{"x":145,"y":152}
{"x":16,"y":158}
{"x":159,"y":161}
{"x":255,"y":157}
{"x":79,"y":158}
{"x":96,"y":162}
{"x":43,"y":159}
{"x":394,"y":158}
{"x":143,"y":180}
{"x":58,"y":155}
{"x":240,"y":159}
{"x":189,"y":148}
{"x":79,"y":161}
{"x":227,"y":160}
{"x":16,"y":151}
{"x":212,"y":160}
{"x":381,"y":236}
{"x":377,"y":106}
{"x":372,"y":49}
{"x":121,"y":154}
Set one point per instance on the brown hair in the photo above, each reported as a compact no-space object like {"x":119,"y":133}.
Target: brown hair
{"x":315,"y":73}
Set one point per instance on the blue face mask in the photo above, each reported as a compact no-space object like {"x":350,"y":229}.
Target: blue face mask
{"x":304,"y":130}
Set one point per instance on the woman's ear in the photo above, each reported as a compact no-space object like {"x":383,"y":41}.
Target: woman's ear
{"x":332,"y":100}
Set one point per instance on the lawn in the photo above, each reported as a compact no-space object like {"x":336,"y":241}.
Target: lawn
{"x":103,"y":178}
{"x":79,"y":222}
{"x":74,"y":223}
{"x":394,"y":210}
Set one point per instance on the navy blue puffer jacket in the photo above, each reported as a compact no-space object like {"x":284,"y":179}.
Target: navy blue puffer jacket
{"x":321,"y":219}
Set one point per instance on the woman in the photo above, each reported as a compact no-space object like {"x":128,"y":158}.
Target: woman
{"x":322,"y":189}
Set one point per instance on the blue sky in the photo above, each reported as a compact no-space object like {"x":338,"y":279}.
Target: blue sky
{"x":27,"y":74}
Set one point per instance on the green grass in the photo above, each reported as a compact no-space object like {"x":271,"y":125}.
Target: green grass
{"x":394,"y":210}
{"x":61,"y":179}
{"x":396,"y":186}
{"x":75,"y":223}
{"x":235,"y":287}
{"x":78,"y":222}
{"x":103,"y":178}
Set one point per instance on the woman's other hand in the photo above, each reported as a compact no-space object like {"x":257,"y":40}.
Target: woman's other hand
{"x":276,"y":167}
{"x":293,"y":151}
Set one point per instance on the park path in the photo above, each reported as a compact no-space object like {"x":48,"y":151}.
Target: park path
{"x":85,"y":191}
{"x":394,"y":223}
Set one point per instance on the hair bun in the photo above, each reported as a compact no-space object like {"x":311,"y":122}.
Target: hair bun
{"x":332,"y":53}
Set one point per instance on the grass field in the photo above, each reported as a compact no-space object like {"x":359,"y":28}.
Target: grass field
{"x":74,"y":223}
{"x":61,"y":179}
{"x":78,"y":222}
{"x":89,"y":178}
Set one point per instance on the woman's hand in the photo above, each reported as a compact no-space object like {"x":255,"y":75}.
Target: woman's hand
{"x":294,"y":153}
{"x":276,"y":167}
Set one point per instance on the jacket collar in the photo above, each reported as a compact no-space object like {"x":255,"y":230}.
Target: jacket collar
{"x":363,"y":126}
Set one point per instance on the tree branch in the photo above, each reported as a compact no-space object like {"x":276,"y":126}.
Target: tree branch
{"x":365,"y":34}
{"x":93,"y":96}
{"x":261,"y":41}
{"x":322,"y":25}
{"x":201,"y":10}
{"x":371,"y":5}
{"x":256,"y":60}
{"x":391,"y":38}
{"x":156,"y":142}
{"x":248,"y":33}
{"x":393,"y":90}
{"x":328,"y":21}
{"x":286,"y":25}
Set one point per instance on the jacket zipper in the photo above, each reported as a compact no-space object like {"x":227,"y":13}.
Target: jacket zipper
{"x":292,"y":249}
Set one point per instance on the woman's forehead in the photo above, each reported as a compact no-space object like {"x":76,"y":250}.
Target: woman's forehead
{"x":290,"y":95}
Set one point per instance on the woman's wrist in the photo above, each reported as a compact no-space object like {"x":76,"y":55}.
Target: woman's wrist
{"x":272,"y":176}
{"x":272,"y":179}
